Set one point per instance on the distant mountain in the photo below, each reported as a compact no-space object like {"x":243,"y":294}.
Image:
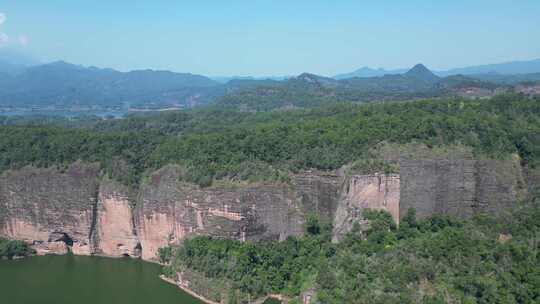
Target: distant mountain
{"x":314,"y":80}
{"x":421,"y":73}
{"x":417,"y":79}
{"x":506,"y":68}
{"x":65,"y":84}
{"x":306,"y":90}
{"x":309,"y":90}
{"x":369,"y":72}
{"x":61,"y":85}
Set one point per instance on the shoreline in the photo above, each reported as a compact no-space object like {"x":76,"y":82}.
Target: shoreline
{"x":192,"y":293}
{"x":187,"y":290}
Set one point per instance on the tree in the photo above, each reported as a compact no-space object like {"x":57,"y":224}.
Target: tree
{"x":312,"y":224}
{"x":165,"y":254}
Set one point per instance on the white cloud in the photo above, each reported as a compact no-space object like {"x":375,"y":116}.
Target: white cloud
{"x":3,"y":39}
{"x":23,"y":40}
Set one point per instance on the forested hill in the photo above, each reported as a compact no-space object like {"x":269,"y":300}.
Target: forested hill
{"x":69,"y":85}
{"x":213,"y":143}
{"x":309,"y":90}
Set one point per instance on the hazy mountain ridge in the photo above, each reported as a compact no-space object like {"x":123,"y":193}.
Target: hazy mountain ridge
{"x":310,"y":90}
{"x":505,"y":68}
{"x":62,"y":83}
{"x":369,"y":72}
{"x":65,"y":85}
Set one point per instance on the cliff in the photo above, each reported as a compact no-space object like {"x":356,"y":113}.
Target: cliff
{"x":168,"y":210}
{"x":460,"y":187}
{"x":115,"y":233}
{"x":50,"y":205}
{"x":78,"y":209}
{"x":374,"y":191}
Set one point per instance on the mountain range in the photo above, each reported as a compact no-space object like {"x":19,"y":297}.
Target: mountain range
{"x":64,"y":85}
{"x":309,"y":90}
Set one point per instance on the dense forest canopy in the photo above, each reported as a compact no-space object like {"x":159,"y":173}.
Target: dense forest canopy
{"x":215,"y":143}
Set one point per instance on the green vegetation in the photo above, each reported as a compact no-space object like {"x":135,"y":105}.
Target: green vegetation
{"x":13,"y":248}
{"x":255,"y":269}
{"x":436,"y":260}
{"x":165,"y":254}
{"x":123,"y":155}
{"x":213,"y":144}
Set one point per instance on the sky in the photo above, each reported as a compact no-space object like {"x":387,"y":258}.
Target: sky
{"x":272,"y":37}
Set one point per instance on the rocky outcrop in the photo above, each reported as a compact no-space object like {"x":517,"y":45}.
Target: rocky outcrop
{"x":78,"y":209}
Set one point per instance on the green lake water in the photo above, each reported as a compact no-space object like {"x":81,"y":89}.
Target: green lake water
{"x":85,"y":280}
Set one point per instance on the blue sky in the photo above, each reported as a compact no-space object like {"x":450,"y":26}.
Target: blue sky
{"x":278,"y":37}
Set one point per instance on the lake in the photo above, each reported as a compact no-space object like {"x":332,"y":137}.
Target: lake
{"x":94,"y":280}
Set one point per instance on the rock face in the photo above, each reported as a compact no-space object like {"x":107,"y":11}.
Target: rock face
{"x":377,"y":191}
{"x":79,"y":210}
{"x":58,"y":247}
{"x":169,"y":211}
{"x":115,"y":233}
{"x":460,"y":187}
{"x":47,"y":205}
